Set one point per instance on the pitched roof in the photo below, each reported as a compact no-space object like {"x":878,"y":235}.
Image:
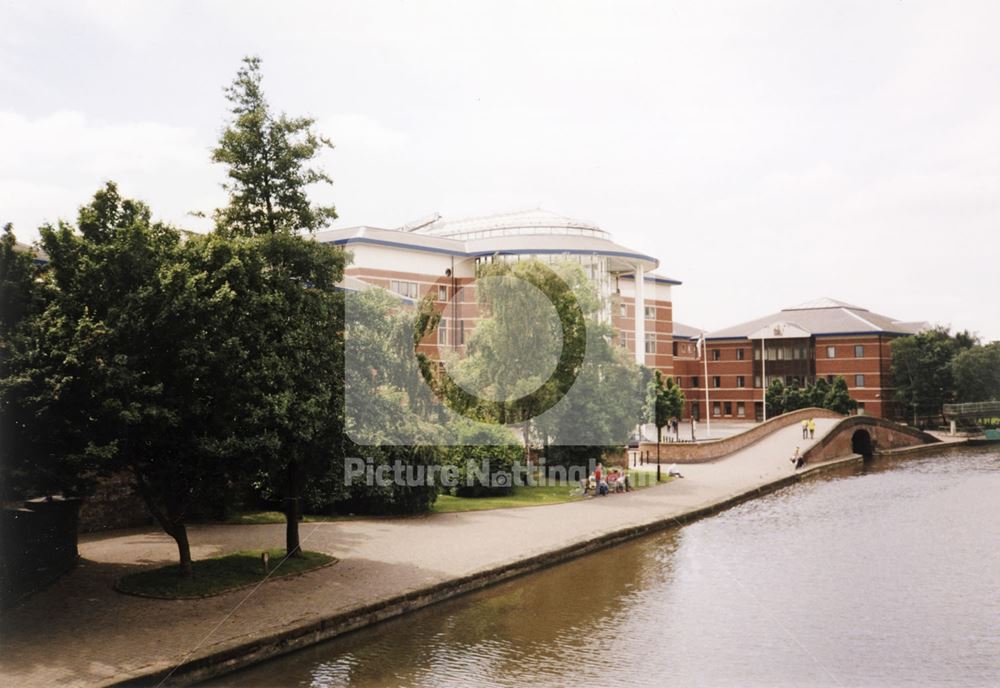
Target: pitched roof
{"x":682,"y":331}
{"x":823,"y":316}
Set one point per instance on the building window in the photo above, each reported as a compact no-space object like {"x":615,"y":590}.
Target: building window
{"x":740,"y":354}
{"x":830,"y":378}
{"x":716,"y":409}
{"x":728,"y":408}
{"x":650,"y":343}
{"x":859,"y":380}
{"x":716,"y":381}
{"x":741,"y":381}
{"x":756,"y":380}
{"x":443,"y":331}
{"x":407,"y":289}
{"x":756,"y":354}
{"x":859,"y":350}
{"x":650,"y":312}
{"x":741,"y":409}
{"x":831,"y":352}
{"x":442,"y":293}
{"x":622,"y":310}
{"x":694,"y":380}
{"x":716,"y":354}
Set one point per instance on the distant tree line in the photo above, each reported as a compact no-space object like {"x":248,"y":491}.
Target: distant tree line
{"x":935,"y":367}
{"x":781,"y":398}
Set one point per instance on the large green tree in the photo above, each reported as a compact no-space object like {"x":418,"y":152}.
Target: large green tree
{"x":976,"y":373}
{"x":291,"y":398}
{"x":129,"y":366}
{"x":921,"y":369}
{"x":268,"y":162}
{"x":294,"y":327}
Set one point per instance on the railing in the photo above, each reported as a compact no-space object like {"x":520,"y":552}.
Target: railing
{"x":975,"y":410}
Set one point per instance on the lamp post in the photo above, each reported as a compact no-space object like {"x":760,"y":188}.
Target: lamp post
{"x":763,"y":375}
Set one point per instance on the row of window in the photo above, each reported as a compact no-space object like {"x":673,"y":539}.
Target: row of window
{"x":859,"y":380}
{"x":787,"y":353}
{"x":727,"y":406}
{"x":411,"y":290}
{"x":648,"y":311}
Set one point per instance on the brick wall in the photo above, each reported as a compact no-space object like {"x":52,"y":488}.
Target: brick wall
{"x":699,"y":452}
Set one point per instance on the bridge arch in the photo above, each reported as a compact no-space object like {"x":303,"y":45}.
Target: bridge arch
{"x":861,"y":443}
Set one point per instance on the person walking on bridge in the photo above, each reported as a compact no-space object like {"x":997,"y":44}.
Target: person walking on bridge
{"x":812,"y":428}
{"x":805,"y":429}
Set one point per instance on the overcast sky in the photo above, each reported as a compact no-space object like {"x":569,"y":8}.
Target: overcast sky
{"x":766,"y":152}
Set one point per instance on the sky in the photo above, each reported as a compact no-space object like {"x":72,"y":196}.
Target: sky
{"x":767,"y":153}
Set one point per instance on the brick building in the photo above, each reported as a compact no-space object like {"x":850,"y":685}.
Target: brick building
{"x":822,"y":338}
{"x":440,"y":257}
{"x":818,"y":339}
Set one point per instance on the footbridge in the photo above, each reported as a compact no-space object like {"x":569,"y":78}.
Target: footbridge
{"x":836,"y":436}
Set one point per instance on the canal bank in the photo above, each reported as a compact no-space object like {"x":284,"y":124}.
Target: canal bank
{"x":387,"y":568}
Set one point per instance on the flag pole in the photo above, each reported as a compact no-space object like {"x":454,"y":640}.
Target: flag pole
{"x":708,"y":405}
{"x":763,"y":374}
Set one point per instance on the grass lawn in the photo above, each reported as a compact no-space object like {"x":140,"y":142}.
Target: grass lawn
{"x":522,"y":496}
{"x":252,"y":518}
{"x":218,"y":575}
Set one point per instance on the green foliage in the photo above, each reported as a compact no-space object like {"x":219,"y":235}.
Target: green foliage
{"x":665,"y":401}
{"x":838,"y":398}
{"x":130,"y":364}
{"x":775,"y":398}
{"x":976,"y":373}
{"x":22,"y":291}
{"x":820,"y":394}
{"x":492,"y":446}
{"x":922,"y":372}
{"x":267,"y":160}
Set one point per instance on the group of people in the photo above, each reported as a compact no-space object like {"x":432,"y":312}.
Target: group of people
{"x":673,"y":428}
{"x":602,"y":483}
{"x":808,"y":429}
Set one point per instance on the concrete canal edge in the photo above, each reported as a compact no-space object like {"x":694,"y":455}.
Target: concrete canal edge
{"x":260,"y":649}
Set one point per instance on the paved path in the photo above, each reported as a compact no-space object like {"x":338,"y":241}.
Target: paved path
{"x":80,"y":632}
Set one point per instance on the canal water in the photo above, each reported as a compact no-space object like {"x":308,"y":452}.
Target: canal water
{"x":883,"y":576}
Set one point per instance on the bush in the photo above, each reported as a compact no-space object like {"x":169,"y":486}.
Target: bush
{"x":484,"y":445}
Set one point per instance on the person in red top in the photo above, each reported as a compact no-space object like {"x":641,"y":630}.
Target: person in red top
{"x":598,"y":474}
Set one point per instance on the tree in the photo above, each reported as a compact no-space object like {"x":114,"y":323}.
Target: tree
{"x":294,"y":327}
{"x":774,"y":397}
{"x":838,"y":398}
{"x":21,"y":285}
{"x":291,"y":380}
{"x":976,"y":373}
{"x":922,"y":371}
{"x":666,"y":401}
{"x":129,"y":365}
{"x":267,"y":160}
{"x":25,"y":469}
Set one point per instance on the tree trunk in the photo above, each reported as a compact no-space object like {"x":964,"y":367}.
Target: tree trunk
{"x":292,"y":511}
{"x":527,"y":443}
{"x":659,"y":434}
{"x":171,"y":520}
{"x":180,"y":535}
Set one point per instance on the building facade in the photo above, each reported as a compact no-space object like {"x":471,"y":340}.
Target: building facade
{"x":441,"y":257}
{"x":818,"y":339}
{"x":798,"y":345}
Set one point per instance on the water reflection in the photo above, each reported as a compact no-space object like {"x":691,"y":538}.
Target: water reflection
{"x":884,"y":576}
